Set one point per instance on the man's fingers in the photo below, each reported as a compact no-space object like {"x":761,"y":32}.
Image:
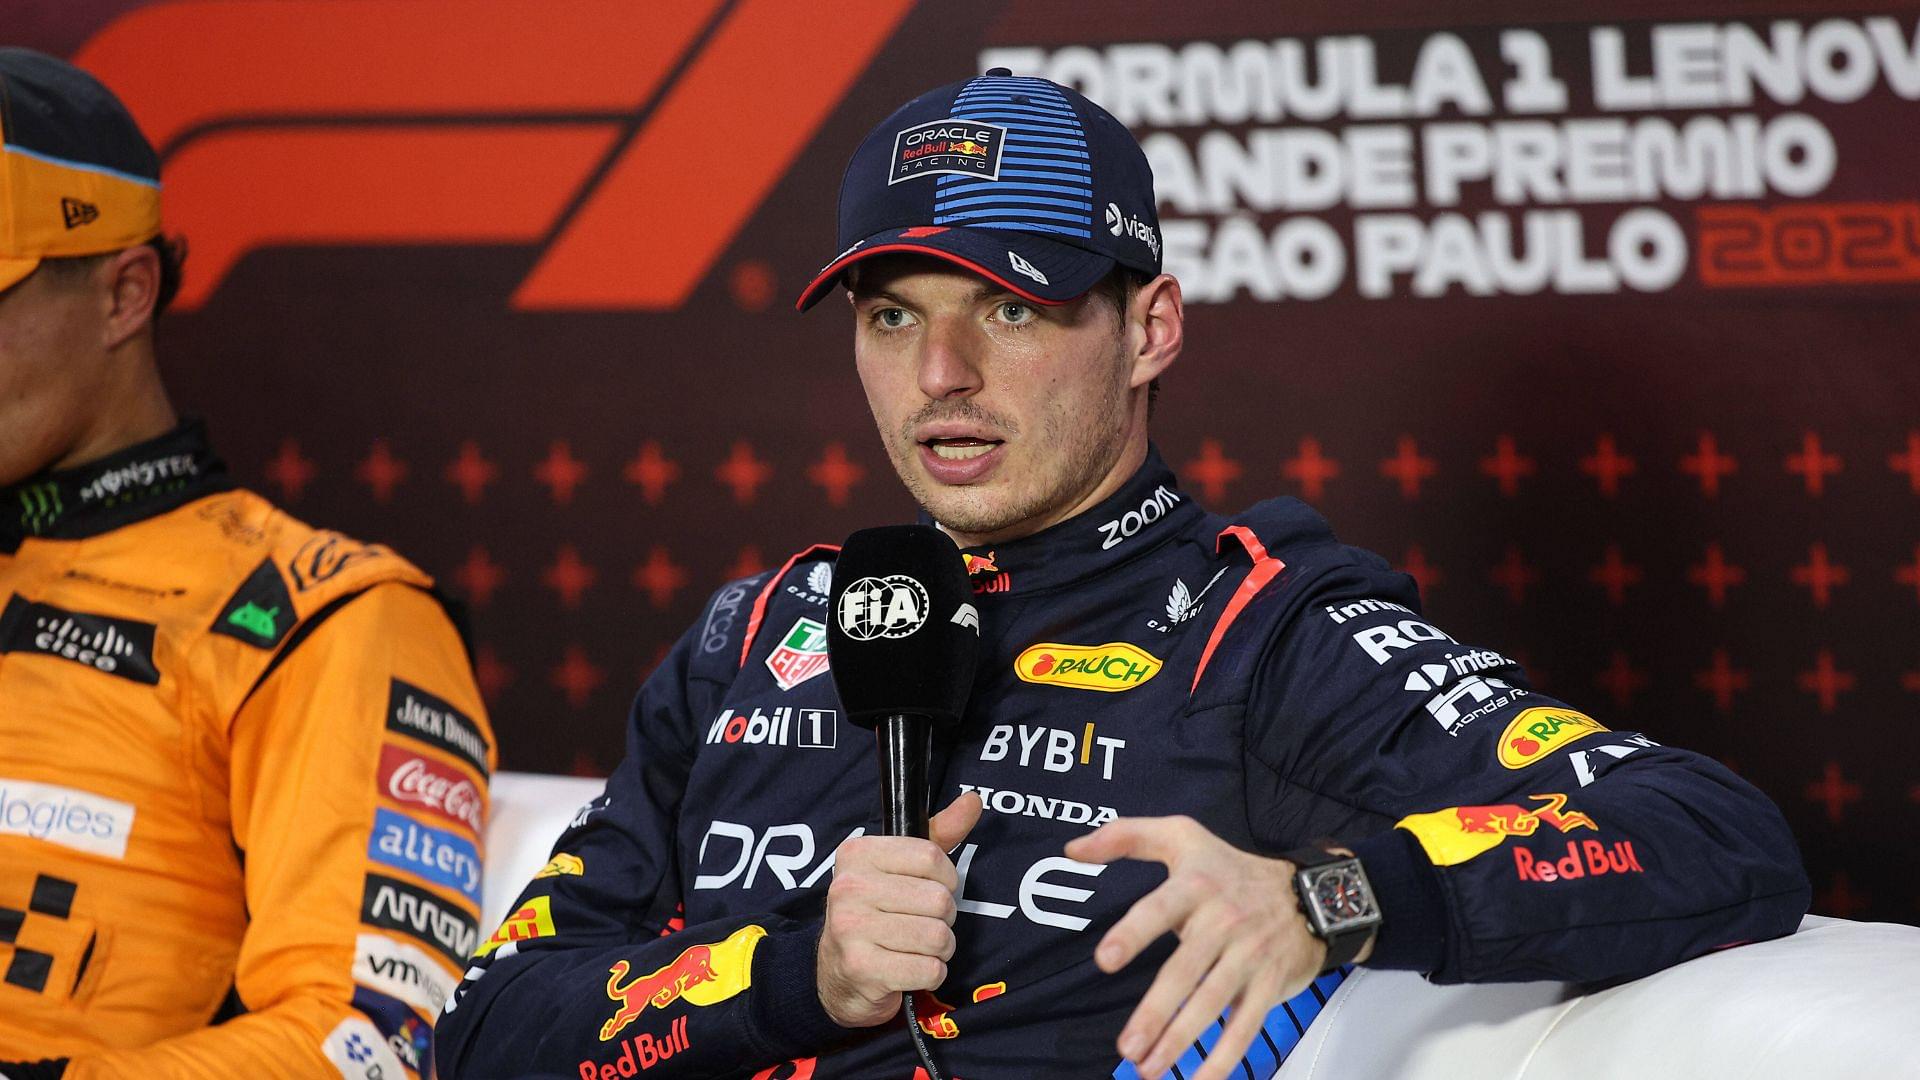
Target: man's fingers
{"x":1202,"y":1008}
{"x":883,"y":972}
{"x":1159,"y":839}
{"x":917,"y":896}
{"x":952,"y":824}
{"x":1154,"y":914}
{"x":1174,"y":984}
{"x":1249,"y":1015}
{"x":905,"y":856}
{"x":915,"y":936}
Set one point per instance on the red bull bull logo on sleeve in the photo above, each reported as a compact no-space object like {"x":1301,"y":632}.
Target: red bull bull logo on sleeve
{"x":1459,"y":833}
{"x":701,"y":975}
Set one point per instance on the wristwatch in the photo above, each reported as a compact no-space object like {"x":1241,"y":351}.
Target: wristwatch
{"x":1337,"y":900}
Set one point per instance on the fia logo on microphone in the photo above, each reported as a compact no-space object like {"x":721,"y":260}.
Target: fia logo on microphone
{"x":883,"y":607}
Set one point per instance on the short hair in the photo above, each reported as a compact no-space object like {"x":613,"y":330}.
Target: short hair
{"x":1119,"y":286}
{"x":171,"y":250}
{"x":1118,"y":289}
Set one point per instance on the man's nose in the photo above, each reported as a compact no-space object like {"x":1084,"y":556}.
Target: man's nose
{"x":949,"y":360}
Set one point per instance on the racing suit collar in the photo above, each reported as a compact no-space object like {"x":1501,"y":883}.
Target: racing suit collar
{"x":130,"y":485}
{"x":1147,"y":511}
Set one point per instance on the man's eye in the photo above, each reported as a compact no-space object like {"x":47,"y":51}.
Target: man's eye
{"x":891,"y":318}
{"x":1015,"y":312}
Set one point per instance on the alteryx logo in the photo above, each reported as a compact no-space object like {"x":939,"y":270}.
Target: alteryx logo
{"x":437,"y":855}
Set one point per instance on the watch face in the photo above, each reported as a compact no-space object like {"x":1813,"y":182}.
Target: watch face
{"x":1341,"y":897}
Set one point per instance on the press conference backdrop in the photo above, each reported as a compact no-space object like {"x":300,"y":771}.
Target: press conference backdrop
{"x":1599,"y":319}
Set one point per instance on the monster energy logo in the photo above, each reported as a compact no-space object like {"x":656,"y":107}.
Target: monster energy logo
{"x":40,"y":507}
{"x":140,"y":478}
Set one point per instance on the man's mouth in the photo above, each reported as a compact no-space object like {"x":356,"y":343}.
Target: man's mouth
{"x":963,"y":449}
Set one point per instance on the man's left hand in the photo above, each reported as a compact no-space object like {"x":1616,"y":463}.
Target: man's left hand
{"x":1244,"y":944}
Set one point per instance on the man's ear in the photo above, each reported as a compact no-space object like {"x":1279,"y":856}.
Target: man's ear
{"x":1156,"y":328}
{"x":132,"y":282}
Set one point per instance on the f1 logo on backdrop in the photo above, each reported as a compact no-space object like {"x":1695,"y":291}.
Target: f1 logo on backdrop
{"x":631,"y":142}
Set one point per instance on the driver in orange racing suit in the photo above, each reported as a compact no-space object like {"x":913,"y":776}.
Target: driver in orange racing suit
{"x":243,"y":762}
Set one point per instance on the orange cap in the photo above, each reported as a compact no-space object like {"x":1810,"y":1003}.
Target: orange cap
{"x":76,"y":175}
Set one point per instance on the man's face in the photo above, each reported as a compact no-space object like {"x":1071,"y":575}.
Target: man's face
{"x":1001,"y":416}
{"x":51,"y":368}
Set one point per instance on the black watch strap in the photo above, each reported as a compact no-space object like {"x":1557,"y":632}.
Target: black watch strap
{"x":1342,"y":948}
{"x":1342,"y":945}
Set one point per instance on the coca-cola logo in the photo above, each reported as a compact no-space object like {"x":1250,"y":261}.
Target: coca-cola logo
{"x":442,"y":789}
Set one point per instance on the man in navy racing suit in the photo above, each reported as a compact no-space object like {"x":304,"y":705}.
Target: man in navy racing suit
{"x":1185,"y":733}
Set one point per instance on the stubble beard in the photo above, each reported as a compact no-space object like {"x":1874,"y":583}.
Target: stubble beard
{"x":1088,"y":446}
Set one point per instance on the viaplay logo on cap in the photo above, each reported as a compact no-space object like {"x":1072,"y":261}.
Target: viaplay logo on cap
{"x":961,"y":147}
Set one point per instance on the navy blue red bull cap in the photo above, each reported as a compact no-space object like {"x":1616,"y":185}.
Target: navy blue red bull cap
{"x":1020,"y":180}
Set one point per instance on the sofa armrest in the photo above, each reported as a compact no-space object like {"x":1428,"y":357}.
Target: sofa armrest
{"x":1836,"y":999}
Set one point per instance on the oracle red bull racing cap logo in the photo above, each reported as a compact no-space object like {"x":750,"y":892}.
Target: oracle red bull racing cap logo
{"x":700,"y":975}
{"x":961,"y":147}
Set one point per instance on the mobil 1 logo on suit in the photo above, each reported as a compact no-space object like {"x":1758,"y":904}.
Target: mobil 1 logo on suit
{"x":785,"y":725}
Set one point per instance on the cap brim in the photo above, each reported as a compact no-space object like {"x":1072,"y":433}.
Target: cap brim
{"x":1028,"y":265}
{"x":14,"y":271}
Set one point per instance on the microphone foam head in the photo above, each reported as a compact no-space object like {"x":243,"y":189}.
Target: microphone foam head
{"x":903,"y":636}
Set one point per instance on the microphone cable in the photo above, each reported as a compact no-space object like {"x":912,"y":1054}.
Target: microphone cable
{"x":919,"y":1042}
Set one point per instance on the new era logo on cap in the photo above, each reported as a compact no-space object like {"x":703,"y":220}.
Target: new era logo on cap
{"x":78,"y":213}
{"x":1021,"y":265}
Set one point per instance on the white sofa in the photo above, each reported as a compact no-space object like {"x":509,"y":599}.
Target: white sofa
{"x":1839,"y":999}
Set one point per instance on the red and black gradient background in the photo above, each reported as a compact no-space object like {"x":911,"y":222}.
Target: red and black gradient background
{"x":507,"y":286}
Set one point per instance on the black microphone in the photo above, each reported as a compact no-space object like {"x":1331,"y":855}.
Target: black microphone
{"x":903,"y":638}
